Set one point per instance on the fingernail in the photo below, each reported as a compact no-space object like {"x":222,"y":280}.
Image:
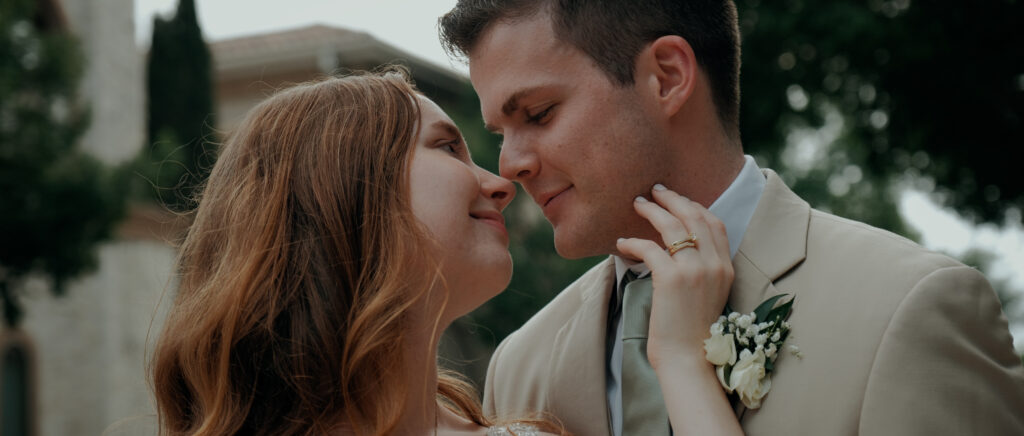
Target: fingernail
{"x":640,"y":199}
{"x":660,"y":187}
{"x":620,"y":240}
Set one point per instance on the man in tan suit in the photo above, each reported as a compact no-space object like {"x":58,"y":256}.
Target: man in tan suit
{"x":597,"y":102}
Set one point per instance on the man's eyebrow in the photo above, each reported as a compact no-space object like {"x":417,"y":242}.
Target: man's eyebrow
{"x":512,"y":104}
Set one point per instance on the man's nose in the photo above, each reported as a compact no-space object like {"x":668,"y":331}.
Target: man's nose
{"x":517,"y":161}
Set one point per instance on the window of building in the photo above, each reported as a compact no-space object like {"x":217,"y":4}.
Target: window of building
{"x":16,"y":385}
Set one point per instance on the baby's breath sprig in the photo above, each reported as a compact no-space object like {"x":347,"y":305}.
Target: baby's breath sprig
{"x":758,"y":336}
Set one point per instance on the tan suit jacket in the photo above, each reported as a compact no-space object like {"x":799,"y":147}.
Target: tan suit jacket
{"x":896,"y":340}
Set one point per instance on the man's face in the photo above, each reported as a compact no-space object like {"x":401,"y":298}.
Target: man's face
{"x":581,"y":146}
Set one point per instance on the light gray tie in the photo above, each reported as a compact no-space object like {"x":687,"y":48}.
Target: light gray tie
{"x":643,"y":408}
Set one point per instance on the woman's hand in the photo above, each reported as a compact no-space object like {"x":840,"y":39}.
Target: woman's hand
{"x":692,"y":285}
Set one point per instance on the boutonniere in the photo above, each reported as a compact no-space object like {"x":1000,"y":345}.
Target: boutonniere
{"x":758,"y":338}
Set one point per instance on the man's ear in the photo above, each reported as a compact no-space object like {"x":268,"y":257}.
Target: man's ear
{"x":668,"y":67}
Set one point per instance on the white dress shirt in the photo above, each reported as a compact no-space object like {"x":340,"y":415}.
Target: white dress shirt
{"x":734,"y":207}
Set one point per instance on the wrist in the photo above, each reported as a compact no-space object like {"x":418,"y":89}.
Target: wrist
{"x":676,"y":357}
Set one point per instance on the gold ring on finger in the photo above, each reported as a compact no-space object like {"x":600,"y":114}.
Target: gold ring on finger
{"x":689,"y":242}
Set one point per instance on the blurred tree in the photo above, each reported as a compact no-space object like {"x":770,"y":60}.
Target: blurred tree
{"x":854,"y":101}
{"x":57,"y":202}
{"x":848,"y":98}
{"x":180,"y":104}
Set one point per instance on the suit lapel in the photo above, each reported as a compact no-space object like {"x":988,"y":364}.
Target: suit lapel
{"x":775,"y":242}
{"x":578,"y":387}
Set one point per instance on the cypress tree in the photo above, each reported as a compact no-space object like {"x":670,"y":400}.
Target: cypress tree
{"x":180,"y":106}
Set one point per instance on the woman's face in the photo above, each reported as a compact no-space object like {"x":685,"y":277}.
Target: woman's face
{"x":460,"y":204}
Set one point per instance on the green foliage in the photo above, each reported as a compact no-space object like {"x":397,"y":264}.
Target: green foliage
{"x":928,"y":92}
{"x":180,"y":106}
{"x":58,"y":202}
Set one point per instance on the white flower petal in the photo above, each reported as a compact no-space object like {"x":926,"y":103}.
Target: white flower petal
{"x":720,"y":349}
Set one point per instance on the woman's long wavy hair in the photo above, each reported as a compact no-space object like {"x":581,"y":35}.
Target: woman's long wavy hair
{"x":300,"y":271}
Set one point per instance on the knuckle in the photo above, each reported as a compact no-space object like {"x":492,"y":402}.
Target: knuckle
{"x":699,"y":218}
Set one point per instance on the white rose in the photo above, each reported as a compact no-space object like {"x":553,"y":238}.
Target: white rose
{"x":748,"y":378}
{"x":752,"y":398}
{"x":721,"y":378}
{"x":720,"y":349}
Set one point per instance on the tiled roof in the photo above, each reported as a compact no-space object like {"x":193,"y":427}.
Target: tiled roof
{"x":322,"y":48}
{"x":305,"y":39}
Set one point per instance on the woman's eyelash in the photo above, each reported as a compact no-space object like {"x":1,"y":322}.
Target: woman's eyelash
{"x":453,"y":146}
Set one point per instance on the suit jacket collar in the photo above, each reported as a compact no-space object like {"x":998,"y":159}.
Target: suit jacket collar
{"x":578,"y":362}
{"x":775,"y":243}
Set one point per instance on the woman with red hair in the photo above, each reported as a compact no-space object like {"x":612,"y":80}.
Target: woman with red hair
{"x":342,"y":229}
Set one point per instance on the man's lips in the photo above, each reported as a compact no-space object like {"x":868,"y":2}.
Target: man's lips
{"x":546,"y":198}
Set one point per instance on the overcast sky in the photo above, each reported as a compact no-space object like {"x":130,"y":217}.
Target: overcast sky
{"x":411,"y":26}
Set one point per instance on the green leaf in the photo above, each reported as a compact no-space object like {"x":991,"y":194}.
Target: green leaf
{"x":762,"y":311}
{"x":768,"y":365}
{"x":782,"y":312}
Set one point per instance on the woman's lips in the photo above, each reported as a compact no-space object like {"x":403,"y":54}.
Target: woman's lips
{"x":492,"y":218}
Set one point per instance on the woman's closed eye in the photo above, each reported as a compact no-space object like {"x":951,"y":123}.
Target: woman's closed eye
{"x":455,"y":147}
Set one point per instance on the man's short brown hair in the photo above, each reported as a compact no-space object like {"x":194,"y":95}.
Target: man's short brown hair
{"x":613,"y":32}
